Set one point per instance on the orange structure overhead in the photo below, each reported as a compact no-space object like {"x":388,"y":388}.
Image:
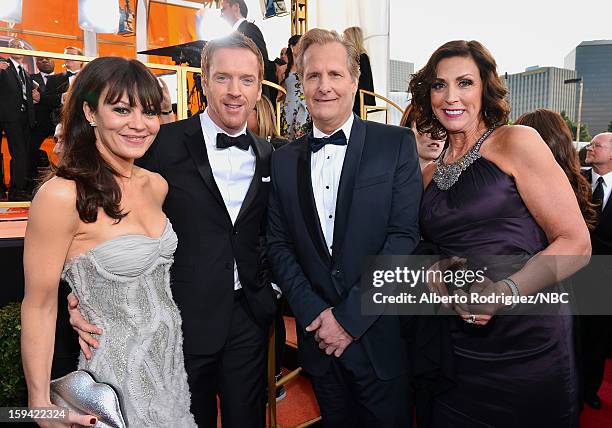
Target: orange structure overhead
{"x":55,"y":26}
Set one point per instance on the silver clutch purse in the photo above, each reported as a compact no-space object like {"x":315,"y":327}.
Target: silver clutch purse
{"x":80,"y":393}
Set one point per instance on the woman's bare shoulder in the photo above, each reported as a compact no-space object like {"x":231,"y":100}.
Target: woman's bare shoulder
{"x":57,"y":191}
{"x":55,"y":202}
{"x":515,"y":147}
{"x":512,"y":139}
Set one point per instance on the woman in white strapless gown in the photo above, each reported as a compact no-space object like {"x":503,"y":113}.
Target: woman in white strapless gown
{"x":97,"y":222}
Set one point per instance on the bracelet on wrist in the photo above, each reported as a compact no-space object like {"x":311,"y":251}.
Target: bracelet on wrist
{"x":514,"y":289}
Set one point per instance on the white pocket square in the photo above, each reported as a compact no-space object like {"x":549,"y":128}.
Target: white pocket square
{"x":265,"y":179}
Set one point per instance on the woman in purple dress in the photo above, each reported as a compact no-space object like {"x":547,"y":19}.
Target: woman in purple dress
{"x":497,"y":190}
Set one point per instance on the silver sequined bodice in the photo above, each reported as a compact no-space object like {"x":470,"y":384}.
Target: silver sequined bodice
{"x":123,"y":287}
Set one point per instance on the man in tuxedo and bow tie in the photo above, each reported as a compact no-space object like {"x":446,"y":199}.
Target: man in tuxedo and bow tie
{"x":58,"y":84}
{"x":349,"y":189}
{"x":218,"y":177}
{"x":596,"y":331}
{"x":17,"y":118}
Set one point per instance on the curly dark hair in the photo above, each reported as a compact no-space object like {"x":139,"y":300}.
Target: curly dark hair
{"x":81,"y":161}
{"x":495,"y":107}
{"x":556,"y":134}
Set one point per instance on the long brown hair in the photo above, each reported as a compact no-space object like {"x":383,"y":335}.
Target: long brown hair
{"x":557,"y":135}
{"x":81,"y":161}
{"x":495,"y":107}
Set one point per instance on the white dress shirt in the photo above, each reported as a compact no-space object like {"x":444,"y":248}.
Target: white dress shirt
{"x":325,"y":171}
{"x":45,"y":76}
{"x":17,"y":65}
{"x":233,"y":170}
{"x":20,"y":67}
{"x":607,"y":185}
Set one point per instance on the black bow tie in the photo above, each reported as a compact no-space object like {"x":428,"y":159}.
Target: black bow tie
{"x":70,"y":73}
{"x":242,"y":141}
{"x":337,"y":138}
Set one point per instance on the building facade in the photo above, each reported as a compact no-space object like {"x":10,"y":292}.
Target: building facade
{"x":592,"y":61}
{"x":542,"y":87}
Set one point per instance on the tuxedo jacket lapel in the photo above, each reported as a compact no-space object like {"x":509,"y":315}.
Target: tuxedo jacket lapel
{"x":260,"y":155}
{"x":350,"y":168}
{"x":307,"y":202}
{"x":194,"y":140}
{"x":15,"y":74}
{"x":607,"y":209}
{"x":41,"y":82}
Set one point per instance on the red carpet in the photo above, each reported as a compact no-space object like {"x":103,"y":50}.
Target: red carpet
{"x":300,"y":405}
{"x":600,"y":418}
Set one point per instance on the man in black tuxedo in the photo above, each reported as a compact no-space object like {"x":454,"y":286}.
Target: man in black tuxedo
{"x":44,"y":126}
{"x":349,"y":189}
{"x":218,"y":176}
{"x":235,"y":13}
{"x":17,"y":118}
{"x":596,"y":331}
{"x":58,"y":84}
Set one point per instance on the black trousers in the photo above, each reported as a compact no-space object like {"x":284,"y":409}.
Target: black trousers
{"x":38,"y":134}
{"x":595,"y":336}
{"x":18,"y":136}
{"x":236,"y":373}
{"x":355,"y":397}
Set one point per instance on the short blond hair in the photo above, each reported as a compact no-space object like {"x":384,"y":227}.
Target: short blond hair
{"x":355,"y":36}
{"x":235,"y":40}
{"x":74,"y":48}
{"x":319,"y":36}
{"x":266,"y":118}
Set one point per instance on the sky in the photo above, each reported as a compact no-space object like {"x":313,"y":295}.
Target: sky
{"x":519,"y":33}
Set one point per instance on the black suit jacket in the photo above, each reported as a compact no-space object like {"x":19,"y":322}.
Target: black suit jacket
{"x":253,"y":32}
{"x":376,"y":213}
{"x":42,"y":110}
{"x":11,"y":95}
{"x":57,"y":84}
{"x":601,"y":236}
{"x":366,"y":82}
{"x":202,"y":276}
{"x":41,"y":82}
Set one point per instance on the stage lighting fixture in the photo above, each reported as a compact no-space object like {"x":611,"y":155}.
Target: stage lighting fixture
{"x":10,"y":11}
{"x":100,"y":16}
